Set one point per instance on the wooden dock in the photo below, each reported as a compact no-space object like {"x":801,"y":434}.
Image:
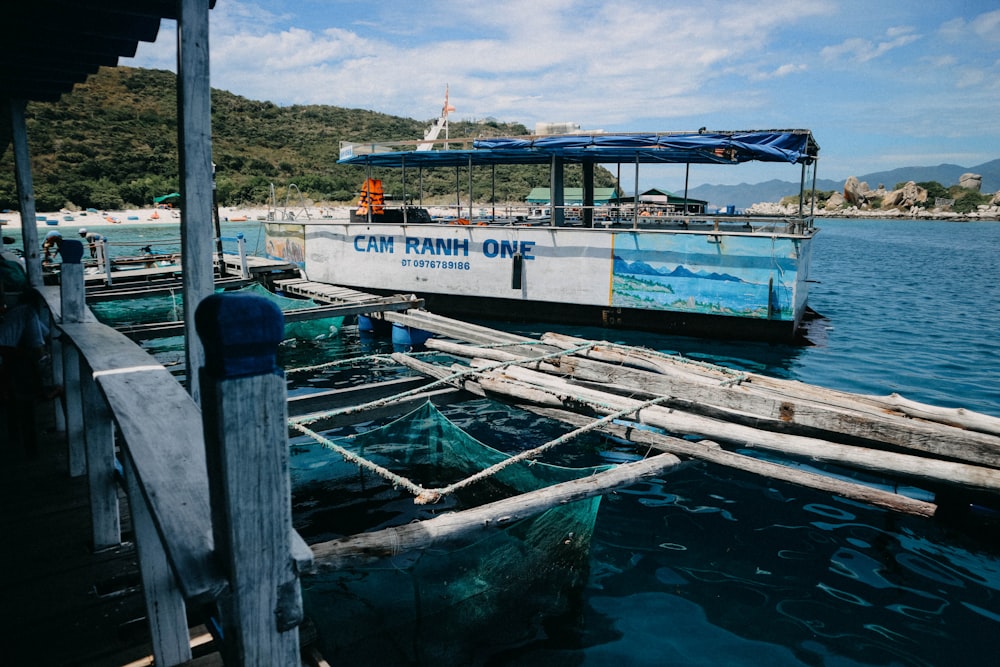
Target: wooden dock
{"x":169,"y":268}
{"x":337,"y":302}
{"x":67,"y":602}
{"x":64,"y":603}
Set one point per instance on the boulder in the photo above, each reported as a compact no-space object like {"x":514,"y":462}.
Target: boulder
{"x":970,"y":181}
{"x":855,"y":192}
{"x":835,"y":202}
{"x":905,"y":197}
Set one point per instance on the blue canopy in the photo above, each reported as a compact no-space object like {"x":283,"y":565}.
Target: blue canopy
{"x":791,"y":146}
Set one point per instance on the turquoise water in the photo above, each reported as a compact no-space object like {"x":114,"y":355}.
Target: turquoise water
{"x":712,"y":567}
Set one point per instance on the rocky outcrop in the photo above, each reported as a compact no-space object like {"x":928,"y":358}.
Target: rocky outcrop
{"x":835,"y":202}
{"x":906,"y":197}
{"x":971,"y":181}
{"x":856,"y":192}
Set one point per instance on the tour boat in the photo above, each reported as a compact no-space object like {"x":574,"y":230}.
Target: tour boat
{"x":627,"y":264}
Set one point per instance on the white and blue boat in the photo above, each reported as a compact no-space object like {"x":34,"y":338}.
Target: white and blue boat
{"x":629,"y":265}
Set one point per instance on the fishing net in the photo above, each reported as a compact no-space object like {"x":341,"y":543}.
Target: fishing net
{"x":170,"y":308}
{"x":446,"y":604}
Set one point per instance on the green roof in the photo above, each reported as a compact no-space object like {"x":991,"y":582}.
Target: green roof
{"x":571,"y":196}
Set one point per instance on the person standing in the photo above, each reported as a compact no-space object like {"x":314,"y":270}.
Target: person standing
{"x":90,"y":239}
{"x":50,"y":246}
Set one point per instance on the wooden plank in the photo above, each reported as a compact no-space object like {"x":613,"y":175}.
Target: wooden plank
{"x":443,"y":528}
{"x":794,"y":414}
{"x":123,"y":293}
{"x":100,"y":449}
{"x":780,"y":388}
{"x":161,"y":425}
{"x":166,"y":612}
{"x":355,"y":395}
{"x":544,"y":397}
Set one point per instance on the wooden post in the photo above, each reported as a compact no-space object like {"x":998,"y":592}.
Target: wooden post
{"x":92,"y":437}
{"x":195,"y":148}
{"x":241,"y":243}
{"x":165,"y":609}
{"x":72,"y":297}
{"x":245,"y":416}
{"x":25,"y":193}
{"x":557,"y":199}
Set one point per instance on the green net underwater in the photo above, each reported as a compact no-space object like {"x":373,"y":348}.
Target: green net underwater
{"x":170,"y":308}
{"x":446,"y":603}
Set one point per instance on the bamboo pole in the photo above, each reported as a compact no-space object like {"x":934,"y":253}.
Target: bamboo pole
{"x":893,"y":403}
{"x":367,"y":547}
{"x":706,"y":450}
{"x":673,"y":420}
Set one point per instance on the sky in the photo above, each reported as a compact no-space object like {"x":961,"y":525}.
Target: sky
{"x":882,"y":85}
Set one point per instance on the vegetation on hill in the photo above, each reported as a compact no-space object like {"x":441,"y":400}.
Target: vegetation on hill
{"x":112,"y":144}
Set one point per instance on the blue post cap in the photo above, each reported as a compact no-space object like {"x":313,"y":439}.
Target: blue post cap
{"x":71,"y":251}
{"x":241,"y":333}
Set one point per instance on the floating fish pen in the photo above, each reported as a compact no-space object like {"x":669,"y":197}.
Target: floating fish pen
{"x":451,"y":498}
{"x":412,"y":566}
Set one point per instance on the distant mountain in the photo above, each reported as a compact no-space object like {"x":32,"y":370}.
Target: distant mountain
{"x":640,"y":268}
{"x":745,"y":194}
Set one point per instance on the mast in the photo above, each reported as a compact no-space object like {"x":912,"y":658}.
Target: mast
{"x":440,"y":124}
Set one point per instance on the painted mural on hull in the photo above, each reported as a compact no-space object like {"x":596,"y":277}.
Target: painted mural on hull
{"x":714,"y":274}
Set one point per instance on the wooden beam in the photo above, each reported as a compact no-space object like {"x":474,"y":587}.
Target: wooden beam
{"x":367,"y":547}
{"x":194,"y":115}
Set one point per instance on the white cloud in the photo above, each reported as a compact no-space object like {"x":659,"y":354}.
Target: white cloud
{"x":860,"y":50}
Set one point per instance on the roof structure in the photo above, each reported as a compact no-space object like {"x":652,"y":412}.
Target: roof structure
{"x":571,"y":196}
{"x":790,"y":146}
{"x":49,"y":46}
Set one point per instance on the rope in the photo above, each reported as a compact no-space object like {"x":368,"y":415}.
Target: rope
{"x":447,"y":380}
{"x":351,"y":457}
{"x":422,"y":495}
{"x":379,"y":358}
{"x":566,"y":437}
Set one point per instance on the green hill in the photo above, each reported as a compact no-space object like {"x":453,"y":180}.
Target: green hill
{"x":112,"y":144}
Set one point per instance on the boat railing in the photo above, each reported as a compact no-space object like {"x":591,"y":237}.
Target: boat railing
{"x":131,"y":424}
{"x":603,"y":216}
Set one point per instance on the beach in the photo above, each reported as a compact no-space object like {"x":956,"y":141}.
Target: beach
{"x":74,"y":220}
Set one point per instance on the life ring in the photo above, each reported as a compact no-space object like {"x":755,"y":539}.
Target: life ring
{"x":461,"y":221}
{"x":481,"y":224}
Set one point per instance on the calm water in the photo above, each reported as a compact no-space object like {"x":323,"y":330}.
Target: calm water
{"x":712,"y":567}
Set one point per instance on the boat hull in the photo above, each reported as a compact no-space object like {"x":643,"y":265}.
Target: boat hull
{"x":732,"y":284}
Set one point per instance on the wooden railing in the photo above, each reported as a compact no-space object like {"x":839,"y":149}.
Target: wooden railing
{"x":194,"y":522}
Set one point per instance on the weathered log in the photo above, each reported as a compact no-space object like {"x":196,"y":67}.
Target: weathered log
{"x":793,"y":414}
{"x":894,"y":403}
{"x":388,"y":542}
{"x":706,"y":450}
{"x":787,"y":401}
{"x":893,"y":420}
{"x":959,"y":474}
{"x":957,"y":417}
